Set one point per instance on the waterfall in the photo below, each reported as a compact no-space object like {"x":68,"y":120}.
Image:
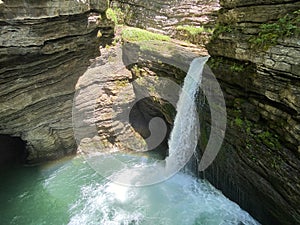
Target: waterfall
{"x":134,"y":170}
{"x":184,"y":136}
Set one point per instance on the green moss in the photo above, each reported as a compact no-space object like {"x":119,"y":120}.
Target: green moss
{"x":151,"y":89}
{"x":136,"y":69}
{"x":121,"y":83}
{"x":215,"y":62}
{"x":233,"y":66}
{"x":115,"y":15}
{"x":237,"y":67}
{"x":269,"y":140}
{"x":248,"y":126}
{"x":133,"y":34}
{"x":238,"y":122}
{"x":265,"y":137}
{"x":221,"y":29}
{"x":192,"y":30}
{"x":270,"y":33}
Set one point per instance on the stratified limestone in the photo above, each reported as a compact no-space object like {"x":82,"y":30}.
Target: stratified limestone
{"x":44,"y":48}
{"x":117,"y":96}
{"x":166,"y":16}
{"x":259,"y":165}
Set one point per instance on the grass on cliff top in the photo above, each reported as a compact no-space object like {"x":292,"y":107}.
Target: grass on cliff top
{"x":194,"y":30}
{"x":116,"y":15}
{"x":132,"y":34}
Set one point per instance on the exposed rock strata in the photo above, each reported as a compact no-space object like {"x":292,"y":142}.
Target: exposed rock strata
{"x":165,"y":16}
{"x":115,"y":82}
{"x":259,"y":165}
{"x":45,"y":47}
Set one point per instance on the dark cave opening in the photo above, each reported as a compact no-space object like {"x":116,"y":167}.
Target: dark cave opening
{"x":140,"y":116}
{"x":12,"y":150}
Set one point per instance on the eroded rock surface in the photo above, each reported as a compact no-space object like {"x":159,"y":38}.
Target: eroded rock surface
{"x":118,"y":96}
{"x":259,"y":165}
{"x":165,"y":16}
{"x":44,"y":48}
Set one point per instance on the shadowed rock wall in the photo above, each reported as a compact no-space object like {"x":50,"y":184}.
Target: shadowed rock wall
{"x":259,"y":165}
{"x":44,"y":47}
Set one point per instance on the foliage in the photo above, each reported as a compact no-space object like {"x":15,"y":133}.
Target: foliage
{"x":133,"y":34}
{"x":269,"y":33}
{"x":238,"y":122}
{"x":222,"y":28}
{"x":266,"y":137}
{"x":192,"y":30}
{"x":269,"y":139}
{"x":116,"y":15}
{"x":237,"y":68}
{"x":122,"y":83}
{"x":215,"y":62}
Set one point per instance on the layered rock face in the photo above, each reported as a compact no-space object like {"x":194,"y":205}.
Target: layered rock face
{"x":259,"y":165}
{"x":124,"y":94}
{"x":44,"y":48}
{"x":165,"y":16}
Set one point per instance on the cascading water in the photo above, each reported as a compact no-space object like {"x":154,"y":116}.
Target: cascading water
{"x":185,"y":133}
{"x":182,"y":143}
{"x":71,"y":192}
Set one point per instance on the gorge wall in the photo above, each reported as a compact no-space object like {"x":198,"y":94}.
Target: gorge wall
{"x":44,"y":48}
{"x":118,"y":82}
{"x":166,"y":17}
{"x":259,"y":164}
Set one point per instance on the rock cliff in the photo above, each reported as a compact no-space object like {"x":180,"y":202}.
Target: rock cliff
{"x":44,"y":48}
{"x":256,"y":55}
{"x":166,"y":17}
{"x":121,"y":79}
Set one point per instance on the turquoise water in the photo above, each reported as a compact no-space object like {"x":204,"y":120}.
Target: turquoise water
{"x":70,"y":192}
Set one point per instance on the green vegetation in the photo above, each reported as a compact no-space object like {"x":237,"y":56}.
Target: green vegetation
{"x":151,"y":89}
{"x":265,"y":137}
{"x":222,"y":28}
{"x":237,"y":67}
{"x":122,"y":83}
{"x":192,"y":30}
{"x":215,"y":62}
{"x":136,"y":70}
{"x":116,"y":15}
{"x":269,"y":33}
{"x":269,"y":140}
{"x":238,"y":122}
{"x":133,"y":34}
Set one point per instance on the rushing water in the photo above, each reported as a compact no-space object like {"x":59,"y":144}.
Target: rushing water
{"x":185,"y":135}
{"x":70,"y":192}
{"x":182,"y":144}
